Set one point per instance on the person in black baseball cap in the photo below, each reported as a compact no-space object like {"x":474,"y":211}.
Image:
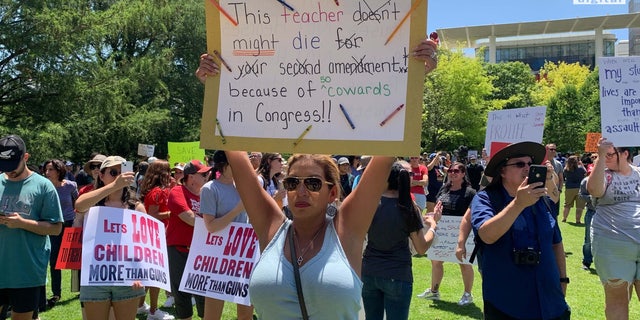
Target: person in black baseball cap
{"x":12,"y":152}
{"x":30,"y":212}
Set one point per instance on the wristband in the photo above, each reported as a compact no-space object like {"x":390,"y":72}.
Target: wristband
{"x":433,"y":230}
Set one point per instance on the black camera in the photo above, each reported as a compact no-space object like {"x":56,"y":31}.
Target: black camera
{"x":527,"y":257}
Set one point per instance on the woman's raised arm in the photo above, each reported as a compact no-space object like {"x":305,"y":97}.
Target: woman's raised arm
{"x":263,"y":211}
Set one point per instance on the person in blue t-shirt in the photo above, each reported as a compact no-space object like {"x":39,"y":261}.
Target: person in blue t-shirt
{"x":521,"y":255}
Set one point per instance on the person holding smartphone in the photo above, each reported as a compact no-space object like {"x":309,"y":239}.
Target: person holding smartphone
{"x":520,"y":246}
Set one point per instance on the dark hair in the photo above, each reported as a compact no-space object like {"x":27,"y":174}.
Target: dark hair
{"x":264,"y":169}
{"x":143,"y":167}
{"x":465,"y":179}
{"x":58,"y":166}
{"x":629,"y":151}
{"x":400,"y":179}
{"x":157,"y":175}
{"x":128,"y":196}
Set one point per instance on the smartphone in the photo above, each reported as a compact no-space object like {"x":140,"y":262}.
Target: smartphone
{"x":126,"y":167}
{"x":538,"y":173}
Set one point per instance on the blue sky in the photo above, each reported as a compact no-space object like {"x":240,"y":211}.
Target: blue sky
{"x":452,"y":13}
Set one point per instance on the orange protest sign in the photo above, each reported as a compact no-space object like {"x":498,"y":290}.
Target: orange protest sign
{"x":591,"y":144}
{"x":70,"y":255}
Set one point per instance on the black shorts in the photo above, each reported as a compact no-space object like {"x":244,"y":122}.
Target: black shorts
{"x":21,"y":300}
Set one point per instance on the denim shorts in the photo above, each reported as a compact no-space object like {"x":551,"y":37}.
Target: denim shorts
{"x":421,"y":201}
{"x":106,"y":293}
{"x":615,"y":259}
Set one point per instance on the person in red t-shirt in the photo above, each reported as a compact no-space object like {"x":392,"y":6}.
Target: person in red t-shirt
{"x":184,"y":204}
{"x":154,"y":192}
{"x":419,"y":179}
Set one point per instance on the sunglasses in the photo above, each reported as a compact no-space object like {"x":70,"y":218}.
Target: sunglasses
{"x":552,"y":149}
{"x":611,"y":155}
{"x":114,"y":172}
{"x":594,"y":157}
{"x":312,"y":184}
{"x":94,"y":166}
{"x":278,"y":159}
{"x":519,"y":164}
{"x":456,"y":171}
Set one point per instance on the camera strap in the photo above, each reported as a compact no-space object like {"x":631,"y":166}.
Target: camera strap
{"x":535,"y":224}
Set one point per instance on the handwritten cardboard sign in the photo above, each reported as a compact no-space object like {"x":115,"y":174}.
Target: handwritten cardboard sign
{"x":219,"y":264}
{"x":146,"y":150}
{"x":444,"y":249}
{"x":122,"y":246}
{"x":591,"y":144}
{"x":70,"y":255}
{"x":513,"y":125}
{"x":184,"y":152}
{"x":319,"y":79}
{"x":620,"y":99}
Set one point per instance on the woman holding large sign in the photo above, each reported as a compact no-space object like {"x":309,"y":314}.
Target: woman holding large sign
{"x":614,"y":185}
{"x":453,"y":199}
{"x":298,"y":251}
{"x":112,"y":190}
{"x":331,"y":247}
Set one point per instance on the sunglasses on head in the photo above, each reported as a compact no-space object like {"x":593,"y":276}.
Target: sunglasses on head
{"x":454,"y":171}
{"x":94,"y":166}
{"x":313,"y":184}
{"x":519,"y":164}
{"x":114,"y":172}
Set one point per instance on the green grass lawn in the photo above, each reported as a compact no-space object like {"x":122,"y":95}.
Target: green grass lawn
{"x":584,"y":294}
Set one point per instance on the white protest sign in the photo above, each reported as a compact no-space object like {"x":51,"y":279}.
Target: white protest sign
{"x":322,"y":78}
{"x":146,"y":149}
{"x":220,"y":264}
{"x":121,"y":246}
{"x":514,"y":125}
{"x":444,"y":249}
{"x":620,"y":99}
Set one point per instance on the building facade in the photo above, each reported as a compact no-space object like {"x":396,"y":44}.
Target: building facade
{"x":634,"y":33}
{"x":535,"y":50}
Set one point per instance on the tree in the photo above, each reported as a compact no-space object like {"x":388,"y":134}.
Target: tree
{"x":513,"y":83}
{"x":110,"y":74}
{"x":553,"y":77}
{"x":454,"y":102}
{"x":565,"y":119}
{"x":561,"y":89}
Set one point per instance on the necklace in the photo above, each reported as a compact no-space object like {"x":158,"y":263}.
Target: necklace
{"x":302,"y":253}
